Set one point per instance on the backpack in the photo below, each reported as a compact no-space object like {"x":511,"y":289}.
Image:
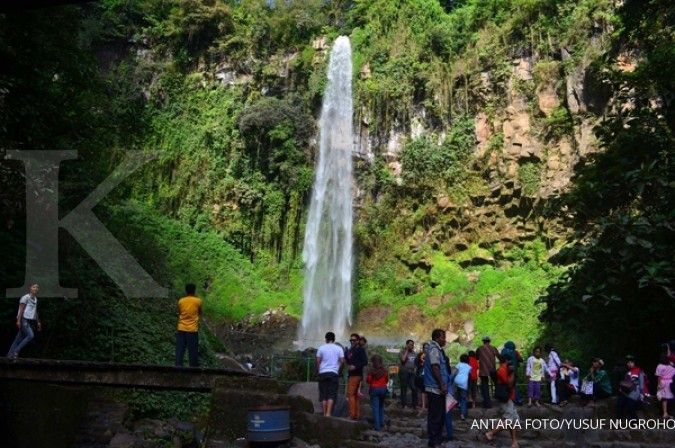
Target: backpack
{"x":627,"y":385}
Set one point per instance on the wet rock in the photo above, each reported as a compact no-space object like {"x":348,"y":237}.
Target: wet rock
{"x":123,"y":440}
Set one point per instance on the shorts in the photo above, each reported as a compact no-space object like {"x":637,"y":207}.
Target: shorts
{"x":509,"y":412}
{"x":328,"y":386}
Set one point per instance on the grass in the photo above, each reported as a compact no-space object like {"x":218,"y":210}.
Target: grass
{"x":232,"y":286}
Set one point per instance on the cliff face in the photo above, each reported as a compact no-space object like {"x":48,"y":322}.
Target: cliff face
{"x":461,"y":154}
{"x":474,"y":122}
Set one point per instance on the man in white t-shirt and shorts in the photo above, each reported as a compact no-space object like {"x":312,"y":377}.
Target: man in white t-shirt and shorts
{"x":329,"y":359}
{"x":26,"y":319}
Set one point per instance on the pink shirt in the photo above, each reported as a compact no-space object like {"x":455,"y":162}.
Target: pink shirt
{"x":665,"y":372}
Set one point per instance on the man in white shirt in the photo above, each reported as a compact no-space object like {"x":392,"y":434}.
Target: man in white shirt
{"x":26,"y":318}
{"x":329,"y":359}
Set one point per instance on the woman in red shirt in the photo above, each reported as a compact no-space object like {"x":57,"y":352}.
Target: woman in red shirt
{"x":473,"y":378}
{"x":377,"y":381}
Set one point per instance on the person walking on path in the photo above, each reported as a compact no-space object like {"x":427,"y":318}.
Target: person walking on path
{"x":462,"y":384}
{"x":187,"y":334}
{"x":553,"y":368}
{"x":406,"y":373}
{"x":377,"y":381}
{"x":487,"y":370}
{"x":27,"y":321}
{"x":435,"y":386}
{"x":506,"y":379}
{"x":356,"y":360}
{"x":329,"y":360}
{"x":664,"y":392}
{"x":473,"y":377}
{"x":535,"y":375}
{"x":513,"y":357}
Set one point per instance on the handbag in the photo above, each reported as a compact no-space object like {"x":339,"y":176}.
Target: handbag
{"x":627,"y":385}
{"x":450,"y":403}
{"x":587,"y":387}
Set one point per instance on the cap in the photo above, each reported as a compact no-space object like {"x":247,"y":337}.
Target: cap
{"x":486,"y":338}
{"x":630,"y":358}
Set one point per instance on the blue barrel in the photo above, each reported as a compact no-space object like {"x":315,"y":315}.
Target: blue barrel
{"x":269,"y":424}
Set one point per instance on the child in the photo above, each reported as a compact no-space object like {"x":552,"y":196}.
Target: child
{"x":462,"y":383}
{"x":535,"y":375}
{"x":569,"y":374}
{"x":665,"y":372}
{"x":377,"y":381}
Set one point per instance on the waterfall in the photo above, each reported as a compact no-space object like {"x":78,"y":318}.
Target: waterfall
{"x":327,"y":251}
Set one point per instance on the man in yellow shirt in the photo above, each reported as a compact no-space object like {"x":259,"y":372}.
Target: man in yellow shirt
{"x":189,"y":310}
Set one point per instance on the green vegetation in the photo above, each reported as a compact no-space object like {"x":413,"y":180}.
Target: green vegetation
{"x":529,"y":174}
{"x":622,"y":199}
{"x":500,"y":300}
{"x":228,"y":94}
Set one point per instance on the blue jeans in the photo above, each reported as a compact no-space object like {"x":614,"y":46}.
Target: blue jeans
{"x":191,"y":341}
{"x":377,"y":403}
{"x":462,"y":398}
{"x":23,"y":337}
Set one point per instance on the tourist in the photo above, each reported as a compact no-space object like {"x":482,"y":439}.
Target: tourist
{"x":596,"y":384}
{"x":462,"y":384}
{"x":486,"y":369}
{"x":187,"y":334}
{"x":553,"y":370}
{"x":27,"y":321}
{"x":473,"y":378}
{"x":569,"y":381}
{"x":513,"y":357}
{"x":329,"y":359}
{"x":435,"y":386}
{"x":406,"y":373}
{"x":664,"y":392}
{"x":377,"y":380}
{"x":419,"y":377}
{"x":363,"y":342}
{"x":505,"y":392}
{"x":631,"y":390}
{"x":534,"y":371}
{"x":356,"y":360}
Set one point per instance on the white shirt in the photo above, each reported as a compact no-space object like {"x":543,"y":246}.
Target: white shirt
{"x":330,"y":358}
{"x":553,"y":362}
{"x":31,"y":306}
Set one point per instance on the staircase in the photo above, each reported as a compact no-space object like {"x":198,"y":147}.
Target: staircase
{"x":406,"y":428}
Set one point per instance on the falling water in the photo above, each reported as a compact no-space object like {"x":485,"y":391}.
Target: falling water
{"x":328,"y":238}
